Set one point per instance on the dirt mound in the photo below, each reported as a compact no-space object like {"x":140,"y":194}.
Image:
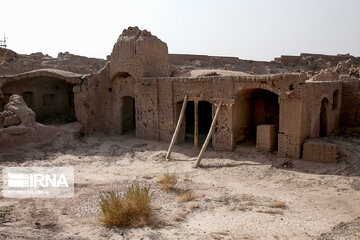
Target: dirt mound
{"x":348,"y":230}
{"x":13,"y":63}
{"x":312,"y":64}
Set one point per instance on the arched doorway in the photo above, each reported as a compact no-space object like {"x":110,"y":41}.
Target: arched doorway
{"x":254,"y":107}
{"x":51,"y":98}
{"x":323,"y":118}
{"x":128,"y":115}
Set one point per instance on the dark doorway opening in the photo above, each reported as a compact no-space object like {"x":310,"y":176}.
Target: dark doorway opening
{"x":254,"y":107}
{"x":29,"y":99}
{"x":323,"y":117}
{"x":204,"y":121}
{"x":128,"y":115}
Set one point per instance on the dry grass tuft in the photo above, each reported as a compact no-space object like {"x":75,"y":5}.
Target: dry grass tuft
{"x":276,"y":204}
{"x":129,"y":209}
{"x":159,"y":222}
{"x":216,"y":237}
{"x":188,"y":195}
{"x":147,"y":176}
{"x":247,"y":237}
{"x":272,"y":211}
{"x":167,"y":181}
{"x":224,"y":233}
{"x":242,"y":208}
{"x":180,"y":216}
{"x":246,"y":197}
{"x":194,"y":206}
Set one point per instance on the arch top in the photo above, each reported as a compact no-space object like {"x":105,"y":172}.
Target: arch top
{"x":69,"y":77}
{"x":252,"y":90}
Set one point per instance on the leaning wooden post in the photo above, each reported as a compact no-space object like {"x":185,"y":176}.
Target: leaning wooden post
{"x":196,"y":123}
{"x":181,"y":117}
{"x":211,"y":130}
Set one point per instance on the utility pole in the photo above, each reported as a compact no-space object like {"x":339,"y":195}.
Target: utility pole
{"x":3,"y":42}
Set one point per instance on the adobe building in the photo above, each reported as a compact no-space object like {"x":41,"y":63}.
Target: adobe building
{"x":134,"y":93}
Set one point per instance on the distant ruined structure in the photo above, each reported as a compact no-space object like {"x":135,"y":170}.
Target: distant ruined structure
{"x":274,"y":105}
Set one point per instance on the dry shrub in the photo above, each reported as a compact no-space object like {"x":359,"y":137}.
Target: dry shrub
{"x":129,"y":209}
{"x":272,"y":211}
{"x":246,"y":197}
{"x":158,"y":222}
{"x":167,"y":181}
{"x":194,"y":206}
{"x":216,"y":237}
{"x":223,"y":233}
{"x":276,"y":204}
{"x":180,"y":216}
{"x":188,"y":195}
{"x":242,"y":208}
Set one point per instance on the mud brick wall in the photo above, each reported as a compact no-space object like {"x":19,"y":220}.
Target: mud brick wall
{"x":140,"y":54}
{"x":291,"y":130}
{"x":318,"y":151}
{"x":147,"y":110}
{"x":314,"y":93}
{"x":266,"y":137}
{"x":289,"y":145}
{"x":350,"y":108}
{"x":167,"y":114}
{"x":222,"y":138}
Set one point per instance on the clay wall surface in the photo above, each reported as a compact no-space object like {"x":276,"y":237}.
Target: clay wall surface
{"x":316,"y":92}
{"x":93,"y":102}
{"x":320,"y":151}
{"x":350,"y":107}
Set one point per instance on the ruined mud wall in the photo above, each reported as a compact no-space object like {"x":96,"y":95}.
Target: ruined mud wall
{"x":48,"y":97}
{"x":14,"y":63}
{"x":140,"y":54}
{"x":93,"y":102}
{"x":350,"y":108}
{"x":288,"y":89}
{"x":18,"y":126}
{"x":138,"y":71}
{"x":316,"y":92}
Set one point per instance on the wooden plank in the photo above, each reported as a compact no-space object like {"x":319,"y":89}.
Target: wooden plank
{"x":196,"y":123}
{"x":211,"y":130}
{"x":181,"y":117}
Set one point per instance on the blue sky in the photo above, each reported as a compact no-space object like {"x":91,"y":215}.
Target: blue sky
{"x":248,"y":29}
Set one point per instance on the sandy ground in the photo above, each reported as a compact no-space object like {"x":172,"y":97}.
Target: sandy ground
{"x":234,"y":190}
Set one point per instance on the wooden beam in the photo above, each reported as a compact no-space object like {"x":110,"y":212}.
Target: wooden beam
{"x":211,"y":130}
{"x":181,"y":117}
{"x":196,"y":123}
